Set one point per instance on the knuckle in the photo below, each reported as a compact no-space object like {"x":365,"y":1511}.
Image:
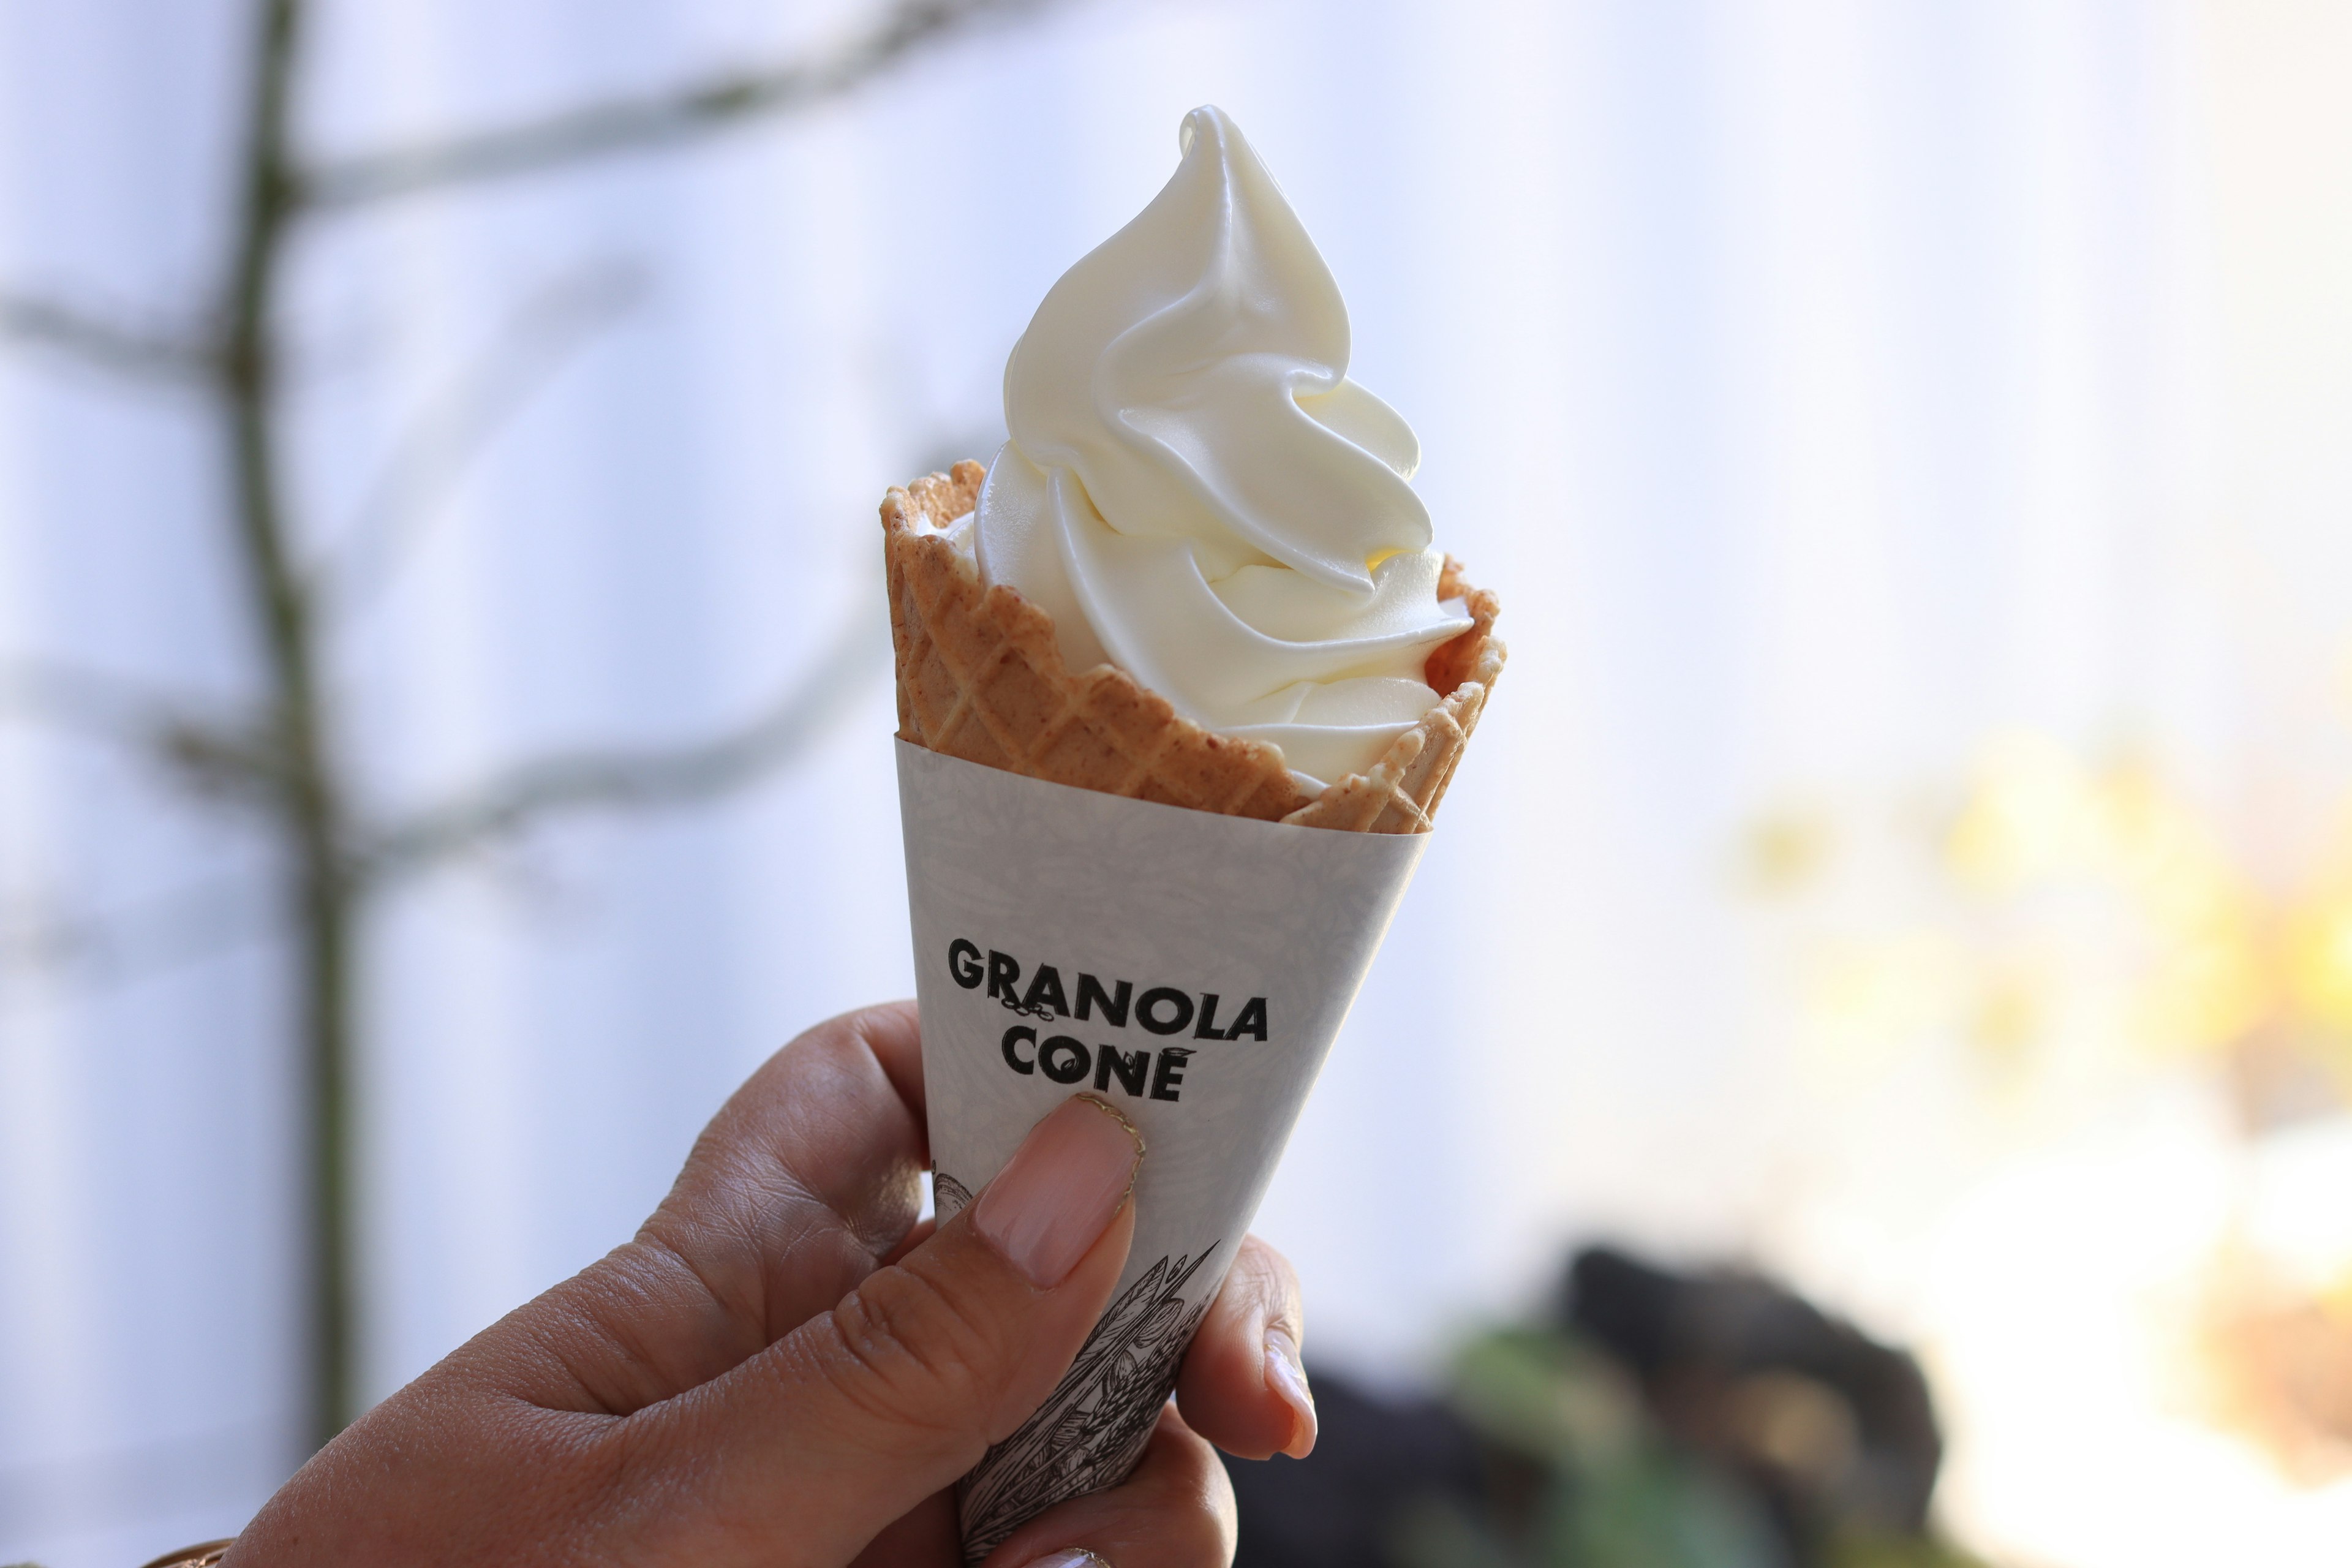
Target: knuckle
{"x":1262,"y":1281}
{"x":1211,"y":1530}
{"x":1280,"y":1275}
{"x":1183,"y":1492}
{"x":1189,"y":1468}
{"x":912,"y":1355}
{"x":1195,"y":1521}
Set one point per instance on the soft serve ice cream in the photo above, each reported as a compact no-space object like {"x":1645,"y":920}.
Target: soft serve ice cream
{"x":1196,"y":493}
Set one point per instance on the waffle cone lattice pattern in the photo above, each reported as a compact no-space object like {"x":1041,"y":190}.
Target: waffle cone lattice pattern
{"x":980,"y":677}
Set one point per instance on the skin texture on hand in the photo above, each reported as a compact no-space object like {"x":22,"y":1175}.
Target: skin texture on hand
{"x":783,"y":1369}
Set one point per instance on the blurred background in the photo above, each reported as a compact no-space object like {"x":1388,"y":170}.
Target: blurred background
{"x":444,"y":716}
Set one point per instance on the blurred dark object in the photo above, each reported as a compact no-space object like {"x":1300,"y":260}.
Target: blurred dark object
{"x":1337,"y":1507}
{"x":1831,"y":1428}
{"x":1657,"y":1420}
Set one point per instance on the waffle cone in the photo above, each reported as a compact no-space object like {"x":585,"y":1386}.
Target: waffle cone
{"x":980,"y":676}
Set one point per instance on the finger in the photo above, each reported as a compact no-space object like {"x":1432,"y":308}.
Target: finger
{"x":1175,"y":1511}
{"x":927,"y":1534}
{"x":1242,"y":1386}
{"x":861,"y":1413}
{"x":811,"y":1173}
{"x":924,"y":1230}
{"x":805,"y":1180}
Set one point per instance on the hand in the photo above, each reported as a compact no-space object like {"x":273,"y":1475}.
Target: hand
{"x":784,"y":1368}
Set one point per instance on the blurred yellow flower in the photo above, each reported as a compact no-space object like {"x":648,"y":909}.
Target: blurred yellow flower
{"x":1787,"y":850}
{"x":2030,"y":815}
{"x":2320,"y":959}
{"x":2067,"y":887}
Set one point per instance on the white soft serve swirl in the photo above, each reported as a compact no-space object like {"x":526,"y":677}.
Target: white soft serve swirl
{"x":1196,"y":492}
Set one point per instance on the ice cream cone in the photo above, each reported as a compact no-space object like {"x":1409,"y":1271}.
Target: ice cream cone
{"x":1026,"y":880}
{"x":980,"y":676}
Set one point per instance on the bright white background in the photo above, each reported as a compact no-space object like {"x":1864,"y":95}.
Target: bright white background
{"x":1827,"y":388}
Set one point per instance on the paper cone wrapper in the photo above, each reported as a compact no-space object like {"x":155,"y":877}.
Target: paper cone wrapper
{"x":1190,"y":968}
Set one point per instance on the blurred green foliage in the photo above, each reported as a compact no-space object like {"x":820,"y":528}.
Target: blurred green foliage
{"x":1581,"y":1476}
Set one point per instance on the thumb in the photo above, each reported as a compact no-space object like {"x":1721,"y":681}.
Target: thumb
{"x":855,"y":1418}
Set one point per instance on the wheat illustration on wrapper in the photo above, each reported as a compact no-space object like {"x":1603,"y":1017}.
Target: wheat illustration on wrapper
{"x":1092,"y":1428}
{"x":950,"y":1197}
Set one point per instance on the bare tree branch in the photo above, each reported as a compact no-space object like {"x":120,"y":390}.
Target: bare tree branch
{"x":108,"y":344}
{"x":310,"y":809}
{"x":99,"y":702}
{"x":209,"y":752}
{"x":141,"y":938}
{"x":640,"y":124}
{"x":287,"y":752}
{"x":427,"y":462}
{"x":650,"y":779}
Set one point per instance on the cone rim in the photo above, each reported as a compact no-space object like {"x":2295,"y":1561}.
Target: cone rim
{"x":979,"y":677}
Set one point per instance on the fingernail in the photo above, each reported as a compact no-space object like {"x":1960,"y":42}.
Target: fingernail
{"x":1069,"y":1557}
{"x":1287,"y":1378}
{"x":1061,"y":1188}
